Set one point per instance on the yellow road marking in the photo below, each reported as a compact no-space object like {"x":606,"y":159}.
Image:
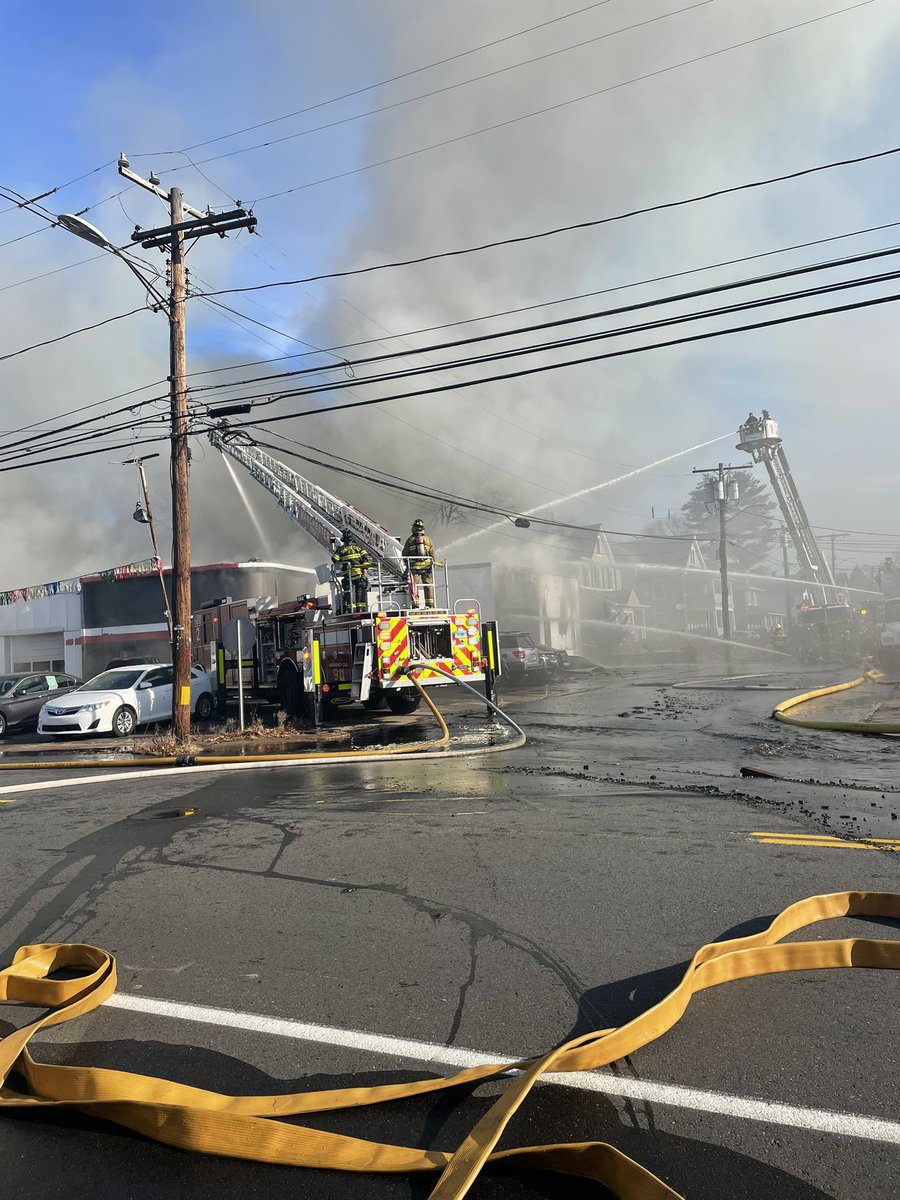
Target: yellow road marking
{"x":824,"y":841}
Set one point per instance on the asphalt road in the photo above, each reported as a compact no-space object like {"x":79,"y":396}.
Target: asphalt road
{"x":495,"y":905}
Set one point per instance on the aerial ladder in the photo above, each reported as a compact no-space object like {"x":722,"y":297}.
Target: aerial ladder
{"x":759,"y":437}
{"x":321,"y":514}
{"x":313,"y":654}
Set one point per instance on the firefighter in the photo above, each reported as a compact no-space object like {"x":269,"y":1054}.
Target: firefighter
{"x":418,"y":551}
{"x":779,"y":638}
{"x":353,"y":565}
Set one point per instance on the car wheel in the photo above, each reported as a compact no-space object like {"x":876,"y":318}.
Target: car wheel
{"x":401,"y":703}
{"x":124,"y":721}
{"x":2,"y":725}
{"x":205,"y":707}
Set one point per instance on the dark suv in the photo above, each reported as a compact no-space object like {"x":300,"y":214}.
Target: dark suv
{"x":521,"y":658}
{"x":23,"y":696}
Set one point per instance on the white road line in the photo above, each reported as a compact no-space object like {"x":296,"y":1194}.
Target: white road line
{"x":743,"y":1108}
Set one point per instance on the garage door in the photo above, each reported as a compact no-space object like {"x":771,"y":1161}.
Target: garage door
{"x":38,"y":652}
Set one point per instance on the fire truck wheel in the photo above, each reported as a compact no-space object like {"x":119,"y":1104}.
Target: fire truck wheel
{"x":290,"y":692}
{"x":374,"y":703}
{"x":402,"y":702}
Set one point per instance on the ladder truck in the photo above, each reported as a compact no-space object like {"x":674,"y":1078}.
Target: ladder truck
{"x":759,"y":437}
{"x":312,"y":655}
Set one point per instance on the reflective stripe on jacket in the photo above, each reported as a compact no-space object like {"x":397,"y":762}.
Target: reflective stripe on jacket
{"x":352,"y":558}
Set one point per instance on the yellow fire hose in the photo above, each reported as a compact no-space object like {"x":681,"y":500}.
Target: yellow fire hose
{"x":320,"y":757}
{"x":782,"y":710}
{"x":247,"y":1127}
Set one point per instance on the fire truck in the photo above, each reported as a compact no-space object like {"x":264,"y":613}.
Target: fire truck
{"x":312,"y":655}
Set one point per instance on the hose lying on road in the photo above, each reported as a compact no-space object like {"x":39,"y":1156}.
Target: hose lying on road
{"x":782,"y":710}
{"x":246,"y":1127}
{"x":319,"y":757}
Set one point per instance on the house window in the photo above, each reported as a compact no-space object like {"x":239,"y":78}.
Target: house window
{"x":752,"y":598}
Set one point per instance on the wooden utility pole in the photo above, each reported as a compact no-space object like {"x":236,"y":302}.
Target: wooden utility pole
{"x":788,"y":615}
{"x":720,"y":484}
{"x":172,"y":237}
{"x":181,"y":519}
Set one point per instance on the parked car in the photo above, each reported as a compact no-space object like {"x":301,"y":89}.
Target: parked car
{"x":555,"y":661}
{"x":23,"y":696}
{"x":119,"y":700}
{"x":521,"y":658}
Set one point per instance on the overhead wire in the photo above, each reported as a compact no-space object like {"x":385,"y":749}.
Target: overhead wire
{"x":561,"y":104}
{"x":438,"y":91}
{"x":629,"y":351}
{"x":545,"y":303}
{"x":382,"y":82}
{"x":697,"y":293}
{"x":592,"y":223}
{"x":265,"y":398}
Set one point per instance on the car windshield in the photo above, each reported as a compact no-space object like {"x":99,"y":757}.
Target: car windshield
{"x":891,"y":614}
{"x":112,"y":681}
{"x":8,"y":682}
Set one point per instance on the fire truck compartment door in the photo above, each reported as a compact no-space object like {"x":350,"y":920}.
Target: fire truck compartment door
{"x":361,"y":682}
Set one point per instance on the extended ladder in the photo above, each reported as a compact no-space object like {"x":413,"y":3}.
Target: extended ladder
{"x":322,"y":515}
{"x":759,"y":437}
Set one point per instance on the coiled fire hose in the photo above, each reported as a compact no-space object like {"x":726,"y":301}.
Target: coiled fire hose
{"x":247,"y":1127}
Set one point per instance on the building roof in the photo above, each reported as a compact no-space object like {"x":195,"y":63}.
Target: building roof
{"x":650,"y":552}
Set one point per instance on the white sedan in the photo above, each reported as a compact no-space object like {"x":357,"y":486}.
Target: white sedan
{"x":119,"y":700}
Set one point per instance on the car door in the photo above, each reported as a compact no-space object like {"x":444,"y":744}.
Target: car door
{"x":160,"y":693}
{"x":27,"y":699}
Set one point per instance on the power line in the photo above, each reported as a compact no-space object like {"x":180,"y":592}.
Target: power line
{"x":772,"y":322}
{"x":559,"y":229}
{"x":543,"y":304}
{"x":450,"y":87}
{"x":72,"y":333}
{"x":366,"y":472}
{"x":382,"y":82}
{"x":562,"y":104}
{"x":564,"y":343}
{"x":561,"y":322}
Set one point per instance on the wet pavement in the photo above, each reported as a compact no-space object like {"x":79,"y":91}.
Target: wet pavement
{"x":497,"y":904}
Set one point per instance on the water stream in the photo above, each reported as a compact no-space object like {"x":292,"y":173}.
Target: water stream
{"x":596,"y":487}
{"x":264,"y":541}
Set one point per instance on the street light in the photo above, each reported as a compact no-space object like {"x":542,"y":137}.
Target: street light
{"x":90,"y":233}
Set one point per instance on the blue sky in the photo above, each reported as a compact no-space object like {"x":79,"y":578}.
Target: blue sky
{"x":87,"y":83}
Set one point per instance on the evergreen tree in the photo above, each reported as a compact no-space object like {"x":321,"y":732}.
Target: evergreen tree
{"x":752,"y":522}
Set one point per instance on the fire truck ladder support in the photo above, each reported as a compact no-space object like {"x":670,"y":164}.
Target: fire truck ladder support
{"x":321,"y":514}
{"x":760,"y":439}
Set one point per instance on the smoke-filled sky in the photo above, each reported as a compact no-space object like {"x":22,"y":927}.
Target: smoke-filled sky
{"x":411,"y":167}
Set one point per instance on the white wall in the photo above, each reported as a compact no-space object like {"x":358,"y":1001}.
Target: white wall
{"x":47,"y":614}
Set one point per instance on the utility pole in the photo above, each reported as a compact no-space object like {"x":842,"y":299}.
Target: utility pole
{"x":181,"y":520}
{"x":147,"y":519}
{"x":720,"y":483}
{"x":171,"y":238}
{"x":788,"y":615}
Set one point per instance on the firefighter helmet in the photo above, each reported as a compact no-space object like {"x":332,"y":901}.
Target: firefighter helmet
{"x":347,"y":535}
{"x":418,"y":525}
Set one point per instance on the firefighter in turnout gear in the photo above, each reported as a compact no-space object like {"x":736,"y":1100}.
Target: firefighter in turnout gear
{"x":353,"y":564}
{"x":419,"y":554}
